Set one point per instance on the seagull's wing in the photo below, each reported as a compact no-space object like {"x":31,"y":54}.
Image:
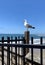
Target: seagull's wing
{"x":29,"y":26}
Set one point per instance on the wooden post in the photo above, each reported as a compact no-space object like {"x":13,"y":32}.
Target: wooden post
{"x":24,"y":52}
{"x":11,"y":51}
{"x":19,"y":59}
{"x":27,"y":38}
{"x":8,"y":52}
{"x":32,"y":51}
{"x":15,"y":51}
{"x":41,"y":52}
{"x":2,"y":51}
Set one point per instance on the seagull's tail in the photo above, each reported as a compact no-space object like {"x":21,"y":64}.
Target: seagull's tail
{"x":33,"y":27}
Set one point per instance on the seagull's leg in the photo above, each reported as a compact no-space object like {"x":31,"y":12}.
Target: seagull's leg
{"x":27,"y":29}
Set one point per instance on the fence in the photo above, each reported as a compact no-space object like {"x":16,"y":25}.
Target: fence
{"x":9,"y":45}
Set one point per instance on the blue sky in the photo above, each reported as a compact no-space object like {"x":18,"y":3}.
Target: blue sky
{"x":13,"y":12}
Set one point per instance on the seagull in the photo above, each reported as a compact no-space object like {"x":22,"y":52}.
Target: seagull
{"x":27,"y":25}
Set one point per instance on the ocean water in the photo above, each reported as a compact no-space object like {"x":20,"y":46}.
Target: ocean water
{"x":20,"y":35}
{"x":35,"y":37}
{"x":10,"y":35}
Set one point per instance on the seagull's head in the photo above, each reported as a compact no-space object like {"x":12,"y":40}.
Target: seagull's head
{"x":25,"y":22}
